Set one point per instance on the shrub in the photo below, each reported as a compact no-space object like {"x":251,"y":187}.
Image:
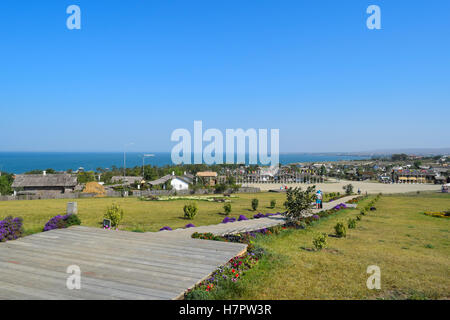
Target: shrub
{"x":341,"y":230}
{"x":189,"y":225}
{"x":351,"y":223}
{"x":72,"y":220}
{"x":115,"y":214}
{"x":227,"y":208}
{"x":11,"y":228}
{"x":348,"y":189}
{"x":358,"y":218}
{"x":273,"y":203}
{"x":165,"y":228}
{"x":242,"y":217}
{"x":190,"y":210}
{"x":60,"y":222}
{"x":259,"y":215}
{"x":255,"y":203}
{"x":320,"y":241}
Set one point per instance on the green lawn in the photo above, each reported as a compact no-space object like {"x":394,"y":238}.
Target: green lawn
{"x":139,"y":215}
{"x":411,"y":249}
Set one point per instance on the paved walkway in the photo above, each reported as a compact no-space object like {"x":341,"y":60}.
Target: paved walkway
{"x":245,"y":225}
{"x":118,"y":264}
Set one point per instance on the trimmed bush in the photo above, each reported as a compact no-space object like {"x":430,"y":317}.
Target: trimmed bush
{"x":255,"y":203}
{"x":320,"y":241}
{"x":340,"y":229}
{"x":351,"y":223}
{"x":165,"y":228}
{"x":11,"y":228}
{"x":227,"y":208}
{"x":115,"y":214}
{"x":190,"y":225}
{"x":190,"y":210}
{"x":273,"y":203}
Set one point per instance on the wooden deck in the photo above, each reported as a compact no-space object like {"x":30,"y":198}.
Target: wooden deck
{"x":114,"y":264}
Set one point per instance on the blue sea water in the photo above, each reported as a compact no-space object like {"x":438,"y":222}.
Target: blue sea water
{"x":20,"y":162}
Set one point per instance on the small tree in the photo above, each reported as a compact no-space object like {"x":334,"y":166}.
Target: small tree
{"x":115,"y":214}
{"x":227,"y":208}
{"x":273,"y":203}
{"x":190,"y":210}
{"x":341,"y":230}
{"x":348,"y":189}
{"x":255,"y":203}
{"x":298,"y":202}
{"x":320,"y":241}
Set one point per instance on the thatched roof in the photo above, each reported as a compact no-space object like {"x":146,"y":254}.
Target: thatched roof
{"x":48,"y":180}
{"x":127,"y":179}
{"x":161,"y":180}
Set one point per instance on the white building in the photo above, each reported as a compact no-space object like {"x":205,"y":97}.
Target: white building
{"x":178,"y":183}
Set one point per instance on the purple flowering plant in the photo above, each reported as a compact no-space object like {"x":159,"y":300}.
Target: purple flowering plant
{"x":62,"y":221}
{"x":11,"y":228}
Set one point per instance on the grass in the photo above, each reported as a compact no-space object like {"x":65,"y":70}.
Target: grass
{"x":140,"y":216}
{"x":411,"y":249}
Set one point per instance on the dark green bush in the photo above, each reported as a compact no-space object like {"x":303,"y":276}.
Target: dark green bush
{"x":255,"y":203}
{"x":227,"y":208}
{"x":73,"y":220}
{"x":273,"y":203}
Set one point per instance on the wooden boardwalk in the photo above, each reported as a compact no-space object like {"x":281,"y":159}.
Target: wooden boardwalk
{"x":114,"y":264}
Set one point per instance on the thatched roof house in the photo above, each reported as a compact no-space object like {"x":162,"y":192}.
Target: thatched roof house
{"x":40,"y":183}
{"x":127,"y":180}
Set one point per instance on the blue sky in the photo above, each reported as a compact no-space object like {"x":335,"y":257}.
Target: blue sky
{"x":137,"y":70}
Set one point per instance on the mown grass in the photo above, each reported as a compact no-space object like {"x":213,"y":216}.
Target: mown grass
{"x":140,"y":216}
{"x":411,"y":249}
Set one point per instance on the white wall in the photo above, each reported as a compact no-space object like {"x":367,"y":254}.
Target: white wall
{"x":178,"y":184}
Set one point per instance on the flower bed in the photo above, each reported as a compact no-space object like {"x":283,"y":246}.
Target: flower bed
{"x":11,"y":229}
{"x":59,"y":222}
{"x":232,"y":271}
{"x":357,"y":199}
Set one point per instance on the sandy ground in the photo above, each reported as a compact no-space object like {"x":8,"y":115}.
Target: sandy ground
{"x":369,"y":187}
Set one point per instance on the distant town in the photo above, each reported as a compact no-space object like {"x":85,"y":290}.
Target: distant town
{"x":398,"y":169}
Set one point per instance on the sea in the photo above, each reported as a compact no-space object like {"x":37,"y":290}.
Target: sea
{"x":20,"y":162}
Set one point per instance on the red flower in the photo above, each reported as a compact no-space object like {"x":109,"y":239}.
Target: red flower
{"x":237,"y":275}
{"x":232,"y":270}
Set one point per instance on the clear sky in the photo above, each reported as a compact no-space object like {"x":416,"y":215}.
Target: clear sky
{"x":139,"y":69}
